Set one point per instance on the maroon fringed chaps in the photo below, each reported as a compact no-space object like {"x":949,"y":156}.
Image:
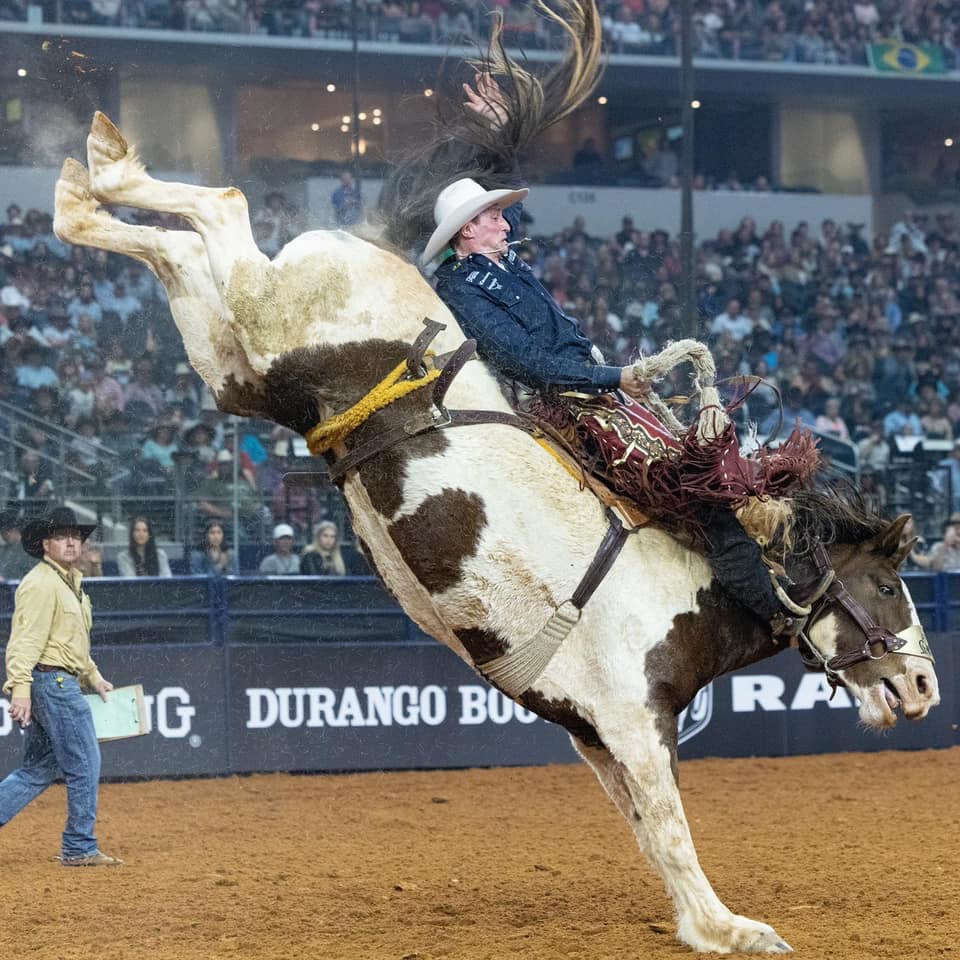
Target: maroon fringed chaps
{"x":670,"y":478}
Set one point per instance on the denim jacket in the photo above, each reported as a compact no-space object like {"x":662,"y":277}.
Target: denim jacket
{"x":519,"y":328}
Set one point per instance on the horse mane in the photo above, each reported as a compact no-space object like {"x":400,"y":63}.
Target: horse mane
{"x":834,"y":513}
{"x":464,"y":144}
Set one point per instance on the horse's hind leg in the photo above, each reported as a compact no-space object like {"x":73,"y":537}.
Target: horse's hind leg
{"x":177,"y":258}
{"x":220,"y":216}
{"x":644,"y":790}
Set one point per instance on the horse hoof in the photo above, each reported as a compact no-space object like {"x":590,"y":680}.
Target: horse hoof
{"x":736,"y":935}
{"x":75,"y":173}
{"x":108,"y":138}
{"x":74,"y":205}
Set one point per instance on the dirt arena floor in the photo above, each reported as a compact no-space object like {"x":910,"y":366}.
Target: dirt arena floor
{"x":848,"y":856}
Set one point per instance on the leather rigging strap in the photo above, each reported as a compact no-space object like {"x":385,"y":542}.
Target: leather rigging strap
{"x":517,"y":670}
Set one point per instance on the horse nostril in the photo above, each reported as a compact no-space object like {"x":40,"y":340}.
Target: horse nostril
{"x":923,"y":685}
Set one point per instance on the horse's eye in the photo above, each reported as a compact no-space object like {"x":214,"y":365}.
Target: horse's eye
{"x":887,"y":590}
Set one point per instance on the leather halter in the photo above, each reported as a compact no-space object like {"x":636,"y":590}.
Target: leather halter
{"x":878,"y":641}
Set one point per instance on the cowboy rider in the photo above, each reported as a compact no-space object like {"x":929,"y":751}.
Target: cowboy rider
{"x":522,"y":332}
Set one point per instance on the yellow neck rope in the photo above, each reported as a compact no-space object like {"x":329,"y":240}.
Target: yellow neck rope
{"x":328,"y":433}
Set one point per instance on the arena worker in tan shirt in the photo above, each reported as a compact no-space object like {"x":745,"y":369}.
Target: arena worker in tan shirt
{"x":48,"y":659}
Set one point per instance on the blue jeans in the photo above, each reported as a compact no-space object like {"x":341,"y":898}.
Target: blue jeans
{"x":60,"y":741}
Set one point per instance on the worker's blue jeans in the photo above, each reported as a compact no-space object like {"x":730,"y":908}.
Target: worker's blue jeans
{"x":60,"y":741}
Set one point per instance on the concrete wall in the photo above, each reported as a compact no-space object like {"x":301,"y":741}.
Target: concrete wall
{"x":553,"y":207}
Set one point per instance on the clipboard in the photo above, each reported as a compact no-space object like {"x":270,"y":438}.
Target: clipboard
{"x":124,"y":713}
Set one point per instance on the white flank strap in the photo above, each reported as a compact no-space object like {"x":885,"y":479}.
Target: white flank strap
{"x":515,"y":672}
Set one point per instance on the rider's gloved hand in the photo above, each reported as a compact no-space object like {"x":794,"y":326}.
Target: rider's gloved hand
{"x":632,"y":384}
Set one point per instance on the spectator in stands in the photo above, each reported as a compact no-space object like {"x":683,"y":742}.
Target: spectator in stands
{"x":57,"y":332}
{"x":161,"y":445}
{"x":213,"y":557}
{"x":14,"y":562}
{"x":119,"y":435}
{"x":215,"y":495}
{"x":121,"y":302}
{"x":283,"y":561}
{"x":323,"y":557}
{"x":84,"y":338}
{"x":12,"y":295}
{"x":90,"y":563}
{"x":33,"y":488}
{"x":794,"y":410}
{"x":874,"y":449}
{"x":347,"y":201}
{"x":944,"y":555}
{"x":901,"y":416}
{"x":76,"y":391}
{"x":33,"y":371}
{"x":275,"y":223}
{"x":44,"y":402}
{"x":732,"y":322}
{"x":831,"y":423}
{"x":143,"y":391}
{"x":118,"y":363}
{"x":935,"y":423}
{"x":661,"y":163}
{"x":952,"y":463}
{"x":85,"y":448}
{"x":143,"y":558}
{"x":454,"y":25}
{"x":299,"y":504}
{"x":85,"y":303}
{"x":184,"y":390}
{"x":198,"y":440}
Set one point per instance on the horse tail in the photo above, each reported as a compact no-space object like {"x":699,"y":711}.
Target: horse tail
{"x":464,"y":144}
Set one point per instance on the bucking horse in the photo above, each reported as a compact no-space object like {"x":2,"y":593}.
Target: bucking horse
{"x":481,"y":532}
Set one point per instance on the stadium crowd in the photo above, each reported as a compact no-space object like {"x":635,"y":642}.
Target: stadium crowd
{"x":803,"y":31}
{"x":860,"y":335}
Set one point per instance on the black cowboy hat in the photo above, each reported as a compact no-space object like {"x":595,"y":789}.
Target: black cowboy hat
{"x":35,"y":531}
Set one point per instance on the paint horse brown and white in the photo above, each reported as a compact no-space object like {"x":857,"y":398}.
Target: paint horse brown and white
{"x":478,"y":531}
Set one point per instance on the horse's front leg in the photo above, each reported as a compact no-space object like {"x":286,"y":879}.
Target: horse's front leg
{"x":636,"y":769}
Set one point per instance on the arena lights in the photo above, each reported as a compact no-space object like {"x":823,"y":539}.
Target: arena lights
{"x":345,"y":128}
{"x":345,"y":118}
{"x":21,"y":72}
{"x":948,"y":142}
{"x":601,"y":100}
{"x":377,"y":111}
{"x":695,"y":104}
{"x":314,"y":127}
{"x":361,"y":116}
{"x":376,"y":121}
{"x":428,"y":92}
{"x":331,"y":88}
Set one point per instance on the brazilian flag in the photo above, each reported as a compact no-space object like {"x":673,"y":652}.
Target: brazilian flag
{"x":898,"y":57}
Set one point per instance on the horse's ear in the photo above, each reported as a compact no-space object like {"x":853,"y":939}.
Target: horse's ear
{"x":904,"y":551}
{"x":888,"y":542}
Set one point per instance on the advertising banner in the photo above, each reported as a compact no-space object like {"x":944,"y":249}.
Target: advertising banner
{"x":368,"y":707}
{"x":401,"y":706}
{"x":184,"y":689}
{"x":777,"y":708}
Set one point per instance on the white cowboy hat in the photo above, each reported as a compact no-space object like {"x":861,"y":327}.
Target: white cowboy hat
{"x":457,"y":205}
